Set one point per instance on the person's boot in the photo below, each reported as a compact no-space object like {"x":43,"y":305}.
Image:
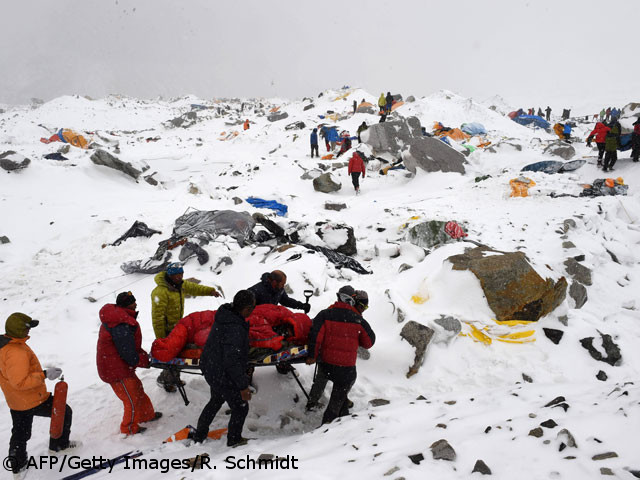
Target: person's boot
{"x":70,"y":446}
{"x":238,"y":443}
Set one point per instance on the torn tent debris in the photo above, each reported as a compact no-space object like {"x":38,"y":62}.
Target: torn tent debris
{"x":138,"y":229}
{"x":280,"y":208}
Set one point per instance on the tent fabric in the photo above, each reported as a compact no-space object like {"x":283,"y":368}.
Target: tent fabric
{"x":625,"y":142}
{"x":396,"y":105}
{"x":520,"y":186}
{"x":65,"y":135}
{"x":534,"y":120}
{"x":547,"y":166}
{"x":339,"y":259}
{"x":473,"y":128}
{"x":281,"y":209}
{"x":138,"y":229}
{"x":456,"y":134}
{"x":55,"y":156}
{"x":207,"y":225}
{"x":604,"y":187}
{"x":558,"y":128}
{"x":572,"y":165}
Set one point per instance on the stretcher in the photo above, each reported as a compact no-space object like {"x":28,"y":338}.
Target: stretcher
{"x":188,"y":362}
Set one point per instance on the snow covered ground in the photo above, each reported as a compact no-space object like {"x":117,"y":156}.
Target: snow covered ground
{"x":59,"y":214}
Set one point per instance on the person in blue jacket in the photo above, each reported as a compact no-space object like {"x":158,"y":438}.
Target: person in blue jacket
{"x":324,"y":131}
{"x":314,"y":142}
{"x":567,"y":131}
{"x":333,"y":137}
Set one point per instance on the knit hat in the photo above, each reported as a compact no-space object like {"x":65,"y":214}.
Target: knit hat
{"x":18,"y":325}
{"x":174,"y":268}
{"x":346,"y":294}
{"x":361,"y":297}
{"x":125,"y":299}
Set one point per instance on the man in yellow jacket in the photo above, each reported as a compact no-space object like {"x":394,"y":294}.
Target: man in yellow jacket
{"x":167,"y":309}
{"x":22,"y":382}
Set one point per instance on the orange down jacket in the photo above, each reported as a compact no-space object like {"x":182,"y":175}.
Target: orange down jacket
{"x":21,"y":376}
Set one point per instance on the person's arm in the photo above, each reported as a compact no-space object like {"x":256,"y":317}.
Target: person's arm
{"x":287,"y":301}
{"x":18,"y":374}
{"x":125,"y":343}
{"x":349,"y":167}
{"x":196,"y":290}
{"x":367,"y":336}
{"x":159,"y":301}
{"x":234,"y":362}
{"x":316,"y":334}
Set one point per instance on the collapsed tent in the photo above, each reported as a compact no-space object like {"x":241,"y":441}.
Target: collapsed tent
{"x":534,"y":120}
{"x":201,"y":225}
{"x":65,"y":135}
{"x":138,"y":229}
{"x":339,"y":259}
{"x":604,"y":187}
{"x":270,"y":326}
{"x":280,"y":208}
{"x":473,"y":128}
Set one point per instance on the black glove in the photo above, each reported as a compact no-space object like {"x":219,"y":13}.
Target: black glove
{"x":307,"y":308}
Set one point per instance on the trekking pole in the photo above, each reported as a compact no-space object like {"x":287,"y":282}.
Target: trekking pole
{"x":307,"y":295}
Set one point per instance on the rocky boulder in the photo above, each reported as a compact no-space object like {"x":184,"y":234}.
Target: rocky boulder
{"x":338,"y":237}
{"x":613,"y":356}
{"x":404,"y":137}
{"x":295,"y":126}
{"x":428,"y":234}
{"x":185,"y":120}
{"x":274,"y":117}
{"x":560,"y":149}
{"x":418,"y":336}
{"x":441,"y":450}
{"x":512,"y":287}
{"x":326,"y":183}
{"x":12,"y":161}
{"x":102,"y":157}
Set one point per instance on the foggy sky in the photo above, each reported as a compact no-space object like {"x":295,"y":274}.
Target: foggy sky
{"x":531,"y":52}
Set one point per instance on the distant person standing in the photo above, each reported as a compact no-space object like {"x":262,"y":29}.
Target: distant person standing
{"x":246,"y":124}
{"x":566,"y":131}
{"x":363,"y":126}
{"x":540,"y":114}
{"x":333,"y":138}
{"x":324,"y":133}
{"x":599,"y":133}
{"x":356,"y":167}
{"x":355,"y":106}
{"x":635,"y":141}
{"x":382,"y":103}
{"x":612,"y":142}
{"x":602,"y":114}
{"x":389,"y":102}
{"x":548,"y":110}
{"x":607,"y":114}
{"x":566,"y":113}
{"x":314,"y":142}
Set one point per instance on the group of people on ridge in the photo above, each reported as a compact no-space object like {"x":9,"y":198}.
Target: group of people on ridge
{"x":336,"y":334}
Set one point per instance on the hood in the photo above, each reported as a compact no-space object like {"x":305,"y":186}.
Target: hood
{"x":161,"y":281}
{"x":112,"y":315}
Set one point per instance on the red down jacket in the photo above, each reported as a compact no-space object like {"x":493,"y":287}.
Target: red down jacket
{"x":195,"y":327}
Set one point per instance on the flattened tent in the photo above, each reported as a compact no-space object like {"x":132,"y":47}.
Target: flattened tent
{"x":534,"y":120}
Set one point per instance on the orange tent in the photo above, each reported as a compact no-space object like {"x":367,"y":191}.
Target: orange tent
{"x":455,"y":134}
{"x":67,"y":136}
{"x":396,"y":105}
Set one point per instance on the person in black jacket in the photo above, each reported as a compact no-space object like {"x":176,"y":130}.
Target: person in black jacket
{"x":389,"y":104}
{"x":224,"y":365}
{"x":335,"y":336}
{"x":270,"y":289}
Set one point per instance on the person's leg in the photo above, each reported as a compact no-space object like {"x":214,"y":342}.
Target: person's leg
{"x":343,"y":379}
{"x":355,"y":180}
{"x":239,"y":411}
{"x":607,"y":160}
{"x":319,"y":384}
{"x":614,"y":159}
{"x":143,"y":408}
{"x":208,"y":414}
{"x":20,"y":435}
{"x":123,"y":390}
{"x":600,"y":152}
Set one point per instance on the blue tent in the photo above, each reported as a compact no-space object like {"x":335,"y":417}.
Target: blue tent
{"x":532,"y":119}
{"x":625,"y":142}
{"x":546,"y":166}
{"x":281,"y":209}
{"x":473,"y":128}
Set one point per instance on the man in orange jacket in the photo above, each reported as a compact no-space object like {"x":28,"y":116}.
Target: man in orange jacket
{"x":356,"y":167}
{"x":22,"y":382}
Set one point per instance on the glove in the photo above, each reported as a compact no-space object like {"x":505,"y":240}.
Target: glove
{"x":307,"y":308}
{"x":144,"y":360}
{"x":215,"y":293}
{"x":52,"y":373}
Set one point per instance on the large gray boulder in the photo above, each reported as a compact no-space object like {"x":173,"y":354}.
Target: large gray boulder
{"x":338,"y":237}
{"x":560,"y":149}
{"x":274,"y":117}
{"x":102,"y":157}
{"x":513,"y":289}
{"x":326,"y":183}
{"x":12,"y":161}
{"x":404,"y":138}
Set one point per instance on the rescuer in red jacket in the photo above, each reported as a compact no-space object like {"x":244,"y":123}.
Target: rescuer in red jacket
{"x":356,"y":167}
{"x":335,"y":336}
{"x":119,"y":354}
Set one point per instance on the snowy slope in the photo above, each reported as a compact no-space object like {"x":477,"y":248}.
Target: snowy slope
{"x":58,"y":216}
